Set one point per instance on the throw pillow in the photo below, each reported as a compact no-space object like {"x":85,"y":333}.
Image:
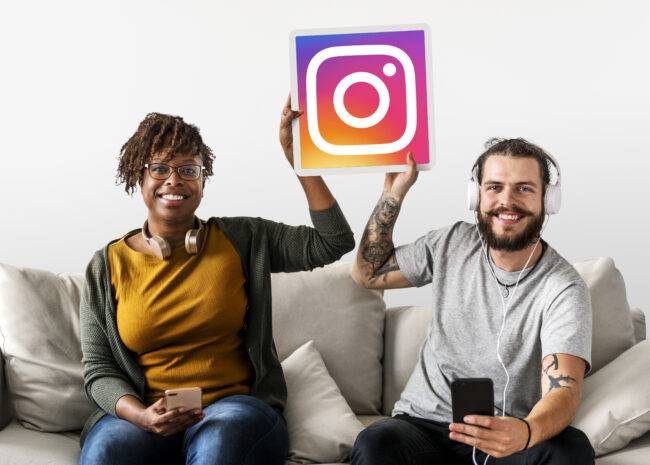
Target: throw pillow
{"x":615,"y":404}
{"x":613,"y":332}
{"x":39,"y":336}
{"x":322,"y":427}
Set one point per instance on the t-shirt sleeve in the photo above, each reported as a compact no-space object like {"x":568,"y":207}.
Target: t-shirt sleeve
{"x":566,"y":328}
{"x":415,"y":260}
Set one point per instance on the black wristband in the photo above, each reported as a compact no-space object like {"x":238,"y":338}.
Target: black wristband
{"x":529,"y":434}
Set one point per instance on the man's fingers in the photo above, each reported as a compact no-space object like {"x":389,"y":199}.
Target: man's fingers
{"x":481,"y":420}
{"x":411,"y":167}
{"x":474,"y":431}
{"x":483,"y":444}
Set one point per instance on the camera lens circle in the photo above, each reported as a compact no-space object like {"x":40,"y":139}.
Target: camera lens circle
{"x":380,"y":111}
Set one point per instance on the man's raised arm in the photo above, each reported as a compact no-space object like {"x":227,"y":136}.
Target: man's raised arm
{"x":375,"y":266}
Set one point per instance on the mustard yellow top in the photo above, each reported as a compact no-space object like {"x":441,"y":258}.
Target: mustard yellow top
{"x":183,"y":317}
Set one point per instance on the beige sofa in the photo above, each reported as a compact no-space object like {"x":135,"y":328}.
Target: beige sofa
{"x":368,"y":350}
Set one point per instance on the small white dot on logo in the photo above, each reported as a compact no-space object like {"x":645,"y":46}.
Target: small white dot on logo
{"x":389,"y":69}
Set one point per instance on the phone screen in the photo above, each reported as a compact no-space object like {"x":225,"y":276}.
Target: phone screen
{"x":471,"y":396}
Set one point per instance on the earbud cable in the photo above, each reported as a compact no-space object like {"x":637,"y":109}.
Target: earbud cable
{"x":506,"y":306}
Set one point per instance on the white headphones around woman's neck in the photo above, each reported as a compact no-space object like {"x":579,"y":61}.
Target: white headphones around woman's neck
{"x":161,"y":248}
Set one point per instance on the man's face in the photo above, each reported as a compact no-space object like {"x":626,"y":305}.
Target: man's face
{"x":156,"y":193}
{"x":511,"y":212}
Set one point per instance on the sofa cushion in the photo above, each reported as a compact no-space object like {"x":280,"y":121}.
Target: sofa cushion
{"x":21,"y":446}
{"x":638,"y":320}
{"x":615,"y":404}
{"x":6,"y":413}
{"x":39,"y":336}
{"x":346,"y":323}
{"x":613,"y":332}
{"x":322,"y":427}
{"x":405,"y":331}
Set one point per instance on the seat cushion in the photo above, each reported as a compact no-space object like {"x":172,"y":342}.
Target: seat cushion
{"x":345,"y":322}
{"x":635,"y":453}
{"x":39,"y":323}
{"x":21,"y":446}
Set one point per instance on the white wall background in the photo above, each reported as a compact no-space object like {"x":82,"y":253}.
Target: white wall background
{"x":77,"y":77}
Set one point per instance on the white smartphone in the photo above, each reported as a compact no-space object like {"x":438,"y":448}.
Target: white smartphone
{"x":188,"y":398}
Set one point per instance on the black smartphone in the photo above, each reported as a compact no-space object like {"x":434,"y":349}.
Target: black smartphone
{"x":471,"y":396}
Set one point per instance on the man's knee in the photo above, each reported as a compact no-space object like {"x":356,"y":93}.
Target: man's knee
{"x":570,"y":447}
{"x":378,"y":441}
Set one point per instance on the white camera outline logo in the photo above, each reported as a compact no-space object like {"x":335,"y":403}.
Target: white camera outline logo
{"x":380,"y":112}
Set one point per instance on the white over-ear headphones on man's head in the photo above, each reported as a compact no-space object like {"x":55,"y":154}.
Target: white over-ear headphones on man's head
{"x":161,"y":248}
{"x":552,"y":197}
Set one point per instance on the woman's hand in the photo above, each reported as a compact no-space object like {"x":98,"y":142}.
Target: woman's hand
{"x":286,"y":133}
{"x":157,"y":419}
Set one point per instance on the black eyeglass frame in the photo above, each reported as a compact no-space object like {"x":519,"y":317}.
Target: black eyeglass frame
{"x":148,"y":166}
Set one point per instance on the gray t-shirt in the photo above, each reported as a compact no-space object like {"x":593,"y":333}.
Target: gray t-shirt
{"x":550,"y":313}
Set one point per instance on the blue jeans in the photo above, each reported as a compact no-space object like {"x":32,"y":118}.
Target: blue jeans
{"x":237,"y":429}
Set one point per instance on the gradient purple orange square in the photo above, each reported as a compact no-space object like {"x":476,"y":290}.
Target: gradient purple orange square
{"x":366,"y":98}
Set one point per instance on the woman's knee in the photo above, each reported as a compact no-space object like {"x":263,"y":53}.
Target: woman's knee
{"x":244,"y":429}
{"x":243,"y":412}
{"x":116,"y":441}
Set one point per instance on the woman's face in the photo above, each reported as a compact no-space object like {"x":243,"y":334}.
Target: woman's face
{"x":173,"y":199}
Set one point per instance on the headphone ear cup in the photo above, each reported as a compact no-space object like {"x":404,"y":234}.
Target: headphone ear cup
{"x":192,"y":241}
{"x":160,"y":247}
{"x":472,"y":195}
{"x":552,"y":199}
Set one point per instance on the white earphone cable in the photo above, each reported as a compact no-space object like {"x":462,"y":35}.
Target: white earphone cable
{"x":506,"y":306}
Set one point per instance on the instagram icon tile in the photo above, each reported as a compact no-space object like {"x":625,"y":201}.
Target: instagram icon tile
{"x":366,"y":97}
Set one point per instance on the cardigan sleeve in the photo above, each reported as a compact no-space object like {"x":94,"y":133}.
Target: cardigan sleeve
{"x":299,"y":248}
{"x":104,"y":381}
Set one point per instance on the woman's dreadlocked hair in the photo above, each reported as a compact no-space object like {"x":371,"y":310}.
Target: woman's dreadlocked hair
{"x":165,"y":134}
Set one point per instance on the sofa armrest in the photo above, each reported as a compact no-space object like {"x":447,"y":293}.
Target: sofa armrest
{"x":6,"y":412}
{"x":638,"y":319}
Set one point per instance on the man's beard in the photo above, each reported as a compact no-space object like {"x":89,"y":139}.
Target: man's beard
{"x":512,"y":243}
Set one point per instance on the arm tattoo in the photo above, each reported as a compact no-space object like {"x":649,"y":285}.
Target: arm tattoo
{"x":376,"y":246}
{"x":390,"y":265}
{"x":555,"y":381}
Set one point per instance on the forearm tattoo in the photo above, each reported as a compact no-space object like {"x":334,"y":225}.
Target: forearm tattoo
{"x":555,"y":379}
{"x":376,"y":248}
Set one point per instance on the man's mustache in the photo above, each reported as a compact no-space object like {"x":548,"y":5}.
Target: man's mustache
{"x":517,"y":210}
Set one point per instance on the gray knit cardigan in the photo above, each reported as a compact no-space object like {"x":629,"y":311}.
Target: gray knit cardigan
{"x":110,"y":369}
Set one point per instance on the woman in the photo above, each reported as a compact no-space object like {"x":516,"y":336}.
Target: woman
{"x":187,"y":303}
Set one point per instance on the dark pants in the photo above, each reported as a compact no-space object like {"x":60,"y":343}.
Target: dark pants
{"x":405,"y":440}
{"x":235,"y":430}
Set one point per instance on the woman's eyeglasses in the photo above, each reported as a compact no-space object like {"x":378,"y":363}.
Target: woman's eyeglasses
{"x":162,"y":171}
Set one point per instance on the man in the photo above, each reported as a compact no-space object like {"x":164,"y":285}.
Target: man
{"x":515,"y":301}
